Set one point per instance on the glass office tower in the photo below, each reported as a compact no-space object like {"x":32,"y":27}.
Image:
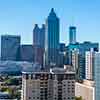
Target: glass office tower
{"x":10,"y":47}
{"x":72,"y":34}
{"x":52,"y":39}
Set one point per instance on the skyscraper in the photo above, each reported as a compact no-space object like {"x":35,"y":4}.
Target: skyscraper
{"x":86,"y":46}
{"x":10,"y":47}
{"x":75,"y":61}
{"x":61,"y":55}
{"x":36,"y":35}
{"x":97,"y":75}
{"x":38,"y":54}
{"x":39,"y":35}
{"x":89,"y":63}
{"x":26,"y":53}
{"x":51,"y":39}
{"x":72,"y":34}
{"x":82,"y":47}
{"x":38,"y":43}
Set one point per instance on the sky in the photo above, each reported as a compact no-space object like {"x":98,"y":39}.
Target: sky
{"x":19,"y":16}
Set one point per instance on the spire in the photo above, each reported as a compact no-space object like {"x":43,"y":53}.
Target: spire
{"x":52,"y":13}
{"x":52,"y":10}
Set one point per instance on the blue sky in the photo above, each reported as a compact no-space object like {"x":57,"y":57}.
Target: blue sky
{"x":19,"y":17}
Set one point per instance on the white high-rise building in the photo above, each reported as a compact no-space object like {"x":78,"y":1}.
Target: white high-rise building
{"x":75,"y":61}
{"x":56,"y":84}
{"x":89,"y":63}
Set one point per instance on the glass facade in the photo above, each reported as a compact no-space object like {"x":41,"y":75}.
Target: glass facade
{"x":39,"y":35}
{"x":10,"y":47}
{"x":52,"y":39}
{"x":97,"y":75}
{"x":72,"y":35}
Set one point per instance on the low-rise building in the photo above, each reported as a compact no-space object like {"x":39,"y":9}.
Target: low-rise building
{"x":85,"y":89}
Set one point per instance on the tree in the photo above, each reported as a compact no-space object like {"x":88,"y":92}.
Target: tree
{"x":78,"y":98}
{"x":12,"y":81}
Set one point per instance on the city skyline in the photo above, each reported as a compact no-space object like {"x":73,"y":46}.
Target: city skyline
{"x":49,"y":49}
{"x":19,"y":17}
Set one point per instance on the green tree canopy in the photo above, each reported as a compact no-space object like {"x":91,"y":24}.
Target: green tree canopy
{"x":78,"y":98}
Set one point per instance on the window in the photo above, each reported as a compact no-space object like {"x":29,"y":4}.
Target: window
{"x":33,"y":91}
{"x":68,"y":91}
{"x":68,"y":97}
{"x":68,"y":85}
{"x":33,"y":97}
{"x":72,"y":97}
{"x":26,"y":76}
{"x":73,"y":91}
{"x":37,"y":97}
{"x":55,"y":98}
{"x":68,"y":88}
{"x":31,"y":76}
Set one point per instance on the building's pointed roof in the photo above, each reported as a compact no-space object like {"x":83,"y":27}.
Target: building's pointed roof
{"x":52,"y":10}
{"x":36,"y":27}
{"x":52,"y":13}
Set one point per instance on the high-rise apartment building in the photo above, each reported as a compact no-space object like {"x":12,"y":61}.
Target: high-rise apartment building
{"x":56,"y":84}
{"x":82,"y":47}
{"x":52,"y":39}
{"x":72,"y":35}
{"x":97,"y":75}
{"x":86,"y":46}
{"x":75,"y":61}
{"x":89,"y":63}
{"x":10,"y":47}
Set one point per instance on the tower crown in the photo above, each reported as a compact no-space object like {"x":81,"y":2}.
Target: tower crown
{"x":52,"y":10}
{"x":52,"y":13}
